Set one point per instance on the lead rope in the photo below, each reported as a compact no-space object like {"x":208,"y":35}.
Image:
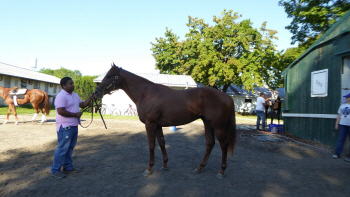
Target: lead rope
{"x":99,"y":110}
{"x":92,"y":113}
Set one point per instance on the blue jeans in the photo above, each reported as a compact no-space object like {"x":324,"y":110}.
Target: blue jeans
{"x":67,"y":139}
{"x":343,"y":132}
{"x":261,"y":115}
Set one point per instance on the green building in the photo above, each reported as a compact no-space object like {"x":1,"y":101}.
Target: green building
{"x":315,"y":83}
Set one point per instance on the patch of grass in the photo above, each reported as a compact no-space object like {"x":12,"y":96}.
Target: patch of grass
{"x":28,"y":109}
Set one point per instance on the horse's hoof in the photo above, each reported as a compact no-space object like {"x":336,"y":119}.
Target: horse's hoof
{"x":146,"y":173}
{"x":41,"y":123}
{"x":32,"y":121}
{"x":16,"y":122}
{"x":5,"y":121}
{"x":195,"y":171}
{"x":163,"y":169}
{"x":219,"y":176}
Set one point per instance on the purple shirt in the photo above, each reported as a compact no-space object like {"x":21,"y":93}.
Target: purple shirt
{"x":70,"y":102}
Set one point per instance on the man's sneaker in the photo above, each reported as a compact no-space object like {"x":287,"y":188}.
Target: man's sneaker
{"x":335,"y":156}
{"x":59,"y":175}
{"x":71,"y":171}
{"x":347,"y":159}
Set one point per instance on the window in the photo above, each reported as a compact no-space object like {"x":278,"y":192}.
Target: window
{"x":36,"y":85}
{"x":7,"y":80}
{"x":55,"y":88}
{"x":30,"y":82}
{"x":1,"y":77}
{"x":248,"y":100}
{"x":46,"y":87}
{"x":23,"y":83}
{"x":51,"y":85}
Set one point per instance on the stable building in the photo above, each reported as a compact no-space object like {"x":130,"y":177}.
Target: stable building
{"x":315,"y":84}
{"x":11,"y":76}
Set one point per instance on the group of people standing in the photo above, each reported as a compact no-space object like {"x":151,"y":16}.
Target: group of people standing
{"x":342,"y":123}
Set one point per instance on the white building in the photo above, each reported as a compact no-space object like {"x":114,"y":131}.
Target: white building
{"x":11,"y":76}
{"x":246,"y":101}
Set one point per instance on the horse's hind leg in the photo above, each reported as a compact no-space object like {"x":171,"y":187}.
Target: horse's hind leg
{"x":8,"y":114}
{"x":35,"y":106}
{"x":13,"y":108}
{"x":210,"y":140}
{"x":161,"y":141}
{"x":42,"y":108}
{"x":222,"y":138}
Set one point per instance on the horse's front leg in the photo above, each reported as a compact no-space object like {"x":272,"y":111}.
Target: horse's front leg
{"x":8,"y":114}
{"x":14,"y":112}
{"x":272,"y":114}
{"x":161,"y":141}
{"x":151,"y":129}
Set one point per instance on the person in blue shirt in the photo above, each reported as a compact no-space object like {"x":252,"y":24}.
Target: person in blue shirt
{"x":343,"y":125}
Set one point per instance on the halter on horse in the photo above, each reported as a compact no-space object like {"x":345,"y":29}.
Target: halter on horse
{"x":159,"y":106}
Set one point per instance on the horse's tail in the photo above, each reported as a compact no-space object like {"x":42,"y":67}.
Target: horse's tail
{"x":47,"y":104}
{"x":231,"y":130}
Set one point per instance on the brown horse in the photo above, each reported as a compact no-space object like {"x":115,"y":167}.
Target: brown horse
{"x":159,"y":106}
{"x":276,"y":106}
{"x":36,"y":97}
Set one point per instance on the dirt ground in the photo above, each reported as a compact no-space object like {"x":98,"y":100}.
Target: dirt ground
{"x":112,"y":162}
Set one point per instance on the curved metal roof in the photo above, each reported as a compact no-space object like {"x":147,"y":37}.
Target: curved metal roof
{"x":6,"y":69}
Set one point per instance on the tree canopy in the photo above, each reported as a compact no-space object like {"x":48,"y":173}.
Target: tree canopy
{"x":84,"y":86}
{"x":62,"y":72}
{"x":311,"y":18}
{"x":230,"y":52}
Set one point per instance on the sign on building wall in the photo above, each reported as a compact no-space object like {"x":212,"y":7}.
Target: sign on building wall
{"x":319,"y":83}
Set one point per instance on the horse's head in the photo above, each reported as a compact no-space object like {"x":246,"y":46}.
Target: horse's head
{"x":109,"y":83}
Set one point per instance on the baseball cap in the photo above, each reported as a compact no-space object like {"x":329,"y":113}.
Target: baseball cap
{"x":348,"y":95}
{"x":262,"y":93}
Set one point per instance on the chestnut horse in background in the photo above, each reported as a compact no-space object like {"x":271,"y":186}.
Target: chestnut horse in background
{"x":160,"y":106}
{"x":38,"y":98}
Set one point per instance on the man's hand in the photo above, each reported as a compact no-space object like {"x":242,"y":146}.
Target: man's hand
{"x":78,"y":114}
{"x":92,"y":95}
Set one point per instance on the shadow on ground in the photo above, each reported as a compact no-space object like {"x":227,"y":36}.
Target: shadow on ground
{"x":112,"y":163}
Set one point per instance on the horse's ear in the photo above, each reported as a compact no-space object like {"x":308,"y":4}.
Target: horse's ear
{"x":114,"y":64}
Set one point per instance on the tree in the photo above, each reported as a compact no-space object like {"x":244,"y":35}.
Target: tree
{"x":62,"y":72}
{"x":165,"y":52}
{"x":84,"y":86}
{"x":311,"y":18}
{"x":227,"y":53}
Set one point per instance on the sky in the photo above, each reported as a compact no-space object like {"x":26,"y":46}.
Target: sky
{"x":89,"y":35}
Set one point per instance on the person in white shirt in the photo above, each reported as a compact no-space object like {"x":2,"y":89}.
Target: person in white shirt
{"x":261,"y":102}
{"x":343,"y":125}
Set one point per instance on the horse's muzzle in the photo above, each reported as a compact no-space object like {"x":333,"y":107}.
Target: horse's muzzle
{"x":98,"y":93}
